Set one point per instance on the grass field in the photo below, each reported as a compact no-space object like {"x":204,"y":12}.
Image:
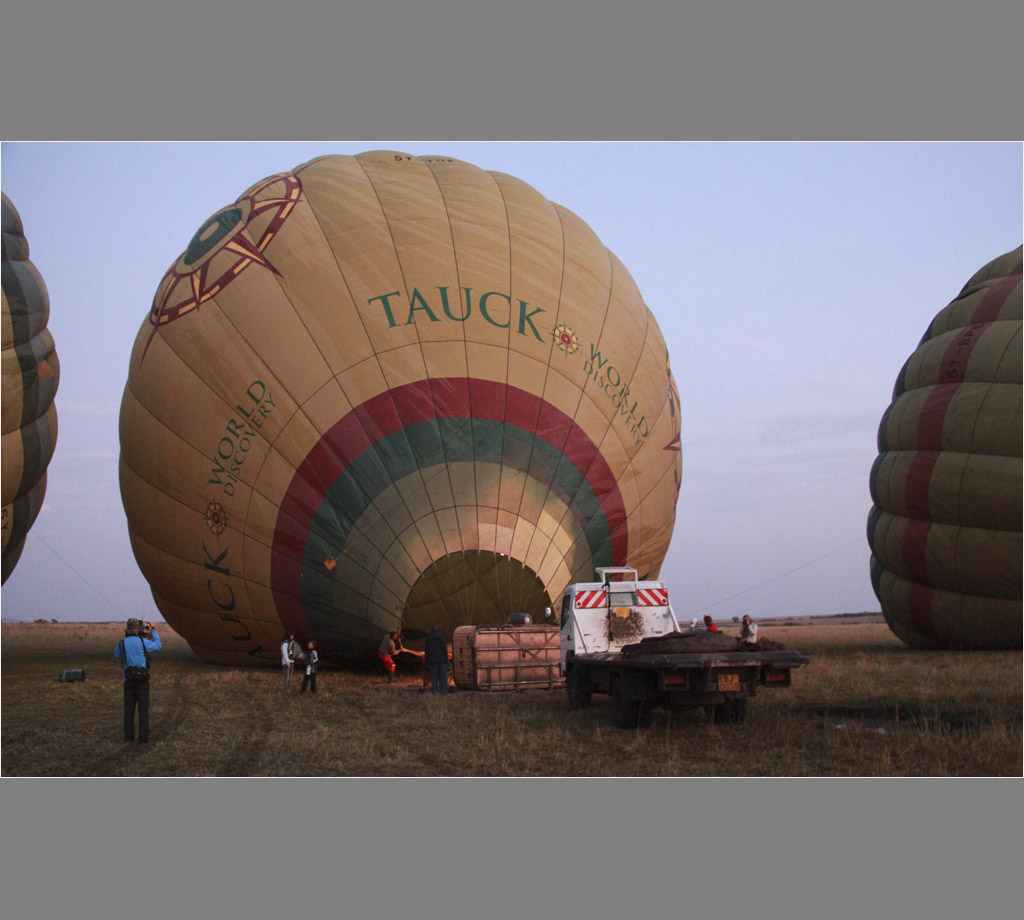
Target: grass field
{"x":866,"y":705}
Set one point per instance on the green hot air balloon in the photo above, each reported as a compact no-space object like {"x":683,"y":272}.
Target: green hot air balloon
{"x":945,"y":529}
{"x":384,"y":392}
{"x":31,"y":373}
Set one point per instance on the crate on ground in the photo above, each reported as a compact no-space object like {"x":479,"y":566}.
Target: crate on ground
{"x":507,"y":657}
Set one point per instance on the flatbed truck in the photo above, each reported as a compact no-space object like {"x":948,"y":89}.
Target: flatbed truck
{"x":619,"y":636}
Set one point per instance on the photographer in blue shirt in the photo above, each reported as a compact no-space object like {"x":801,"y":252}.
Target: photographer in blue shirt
{"x":139,"y":640}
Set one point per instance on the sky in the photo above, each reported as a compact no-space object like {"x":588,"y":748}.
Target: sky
{"x":791,"y":282}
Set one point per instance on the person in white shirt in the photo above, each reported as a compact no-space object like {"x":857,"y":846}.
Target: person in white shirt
{"x":290,"y":650}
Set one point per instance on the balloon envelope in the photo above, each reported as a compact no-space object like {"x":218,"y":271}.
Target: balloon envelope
{"x":31,"y":373}
{"x":385,"y":392}
{"x":945,"y":529}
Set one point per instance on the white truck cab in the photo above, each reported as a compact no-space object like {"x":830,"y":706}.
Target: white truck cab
{"x":616,"y":610}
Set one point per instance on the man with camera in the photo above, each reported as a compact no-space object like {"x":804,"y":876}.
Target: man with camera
{"x":139,"y":640}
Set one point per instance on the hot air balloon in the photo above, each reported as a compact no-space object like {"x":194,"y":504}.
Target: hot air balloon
{"x":31,"y":373}
{"x":386,"y":392}
{"x":945,"y":529}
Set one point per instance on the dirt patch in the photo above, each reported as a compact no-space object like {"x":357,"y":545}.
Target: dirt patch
{"x":626,"y":623}
{"x":677,"y":643}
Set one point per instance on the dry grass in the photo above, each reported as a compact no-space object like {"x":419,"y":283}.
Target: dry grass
{"x":866,"y":706}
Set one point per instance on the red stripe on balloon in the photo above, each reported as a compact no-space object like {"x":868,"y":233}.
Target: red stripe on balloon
{"x":487,"y":400}
{"x":915,"y":542}
{"x":404,"y":406}
{"x":954,"y":361}
{"x":919,"y":609}
{"x":917,"y":486}
{"x":992,"y":303}
{"x":933,"y":416}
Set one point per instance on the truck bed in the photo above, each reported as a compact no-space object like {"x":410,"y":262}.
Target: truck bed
{"x":661,"y":661}
{"x":719,"y":681}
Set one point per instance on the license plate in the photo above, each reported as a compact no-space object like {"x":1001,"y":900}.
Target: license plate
{"x":728,"y":683}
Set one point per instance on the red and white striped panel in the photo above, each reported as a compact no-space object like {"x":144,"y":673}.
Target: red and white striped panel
{"x":652,"y":597}
{"x":596,"y":598}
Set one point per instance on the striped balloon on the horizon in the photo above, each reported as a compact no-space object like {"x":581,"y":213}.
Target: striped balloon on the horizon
{"x":945,"y":528}
{"x":31,"y":373}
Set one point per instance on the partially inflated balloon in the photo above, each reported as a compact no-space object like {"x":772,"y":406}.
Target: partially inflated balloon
{"x":385,"y":392}
{"x":31,"y":373}
{"x":945,"y":529}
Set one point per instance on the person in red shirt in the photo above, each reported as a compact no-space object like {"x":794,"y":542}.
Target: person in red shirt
{"x":709,"y":624}
{"x":386,"y":651}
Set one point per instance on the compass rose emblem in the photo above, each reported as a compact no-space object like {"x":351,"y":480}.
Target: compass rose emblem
{"x":224,"y":246}
{"x":216,"y":519}
{"x":565,"y":339}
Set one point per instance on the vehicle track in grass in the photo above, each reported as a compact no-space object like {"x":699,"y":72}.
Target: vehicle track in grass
{"x":165,"y":723}
{"x":236,"y":753}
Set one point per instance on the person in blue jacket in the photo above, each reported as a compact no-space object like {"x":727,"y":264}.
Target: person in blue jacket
{"x":139,"y":640}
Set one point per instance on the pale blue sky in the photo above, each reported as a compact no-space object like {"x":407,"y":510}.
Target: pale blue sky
{"x":791,"y":282}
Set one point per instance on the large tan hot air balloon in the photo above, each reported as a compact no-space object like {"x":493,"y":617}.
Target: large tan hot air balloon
{"x":945,"y":529}
{"x":31,"y":373}
{"x":383,"y":392}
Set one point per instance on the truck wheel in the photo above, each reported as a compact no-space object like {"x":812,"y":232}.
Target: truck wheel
{"x":720,"y":713}
{"x":730,"y":711}
{"x":575,"y":687}
{"x":644,"y":713}
{"x":625,"y":710}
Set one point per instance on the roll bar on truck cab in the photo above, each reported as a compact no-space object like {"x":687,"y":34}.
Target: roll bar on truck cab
{"x":615,"y":611}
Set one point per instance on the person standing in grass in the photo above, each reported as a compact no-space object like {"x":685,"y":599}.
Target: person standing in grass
{"x":312,"y":659}
{"x":435,"y":651}
{"x":386,"y":651}
{"x":139,"y":640}
{"x":290,"y":650}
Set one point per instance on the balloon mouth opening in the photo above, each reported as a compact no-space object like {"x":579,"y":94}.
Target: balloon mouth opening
{"x":472,"y":588}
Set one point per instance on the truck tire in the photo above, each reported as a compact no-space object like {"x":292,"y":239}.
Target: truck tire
{"x":732,"y":710}
{"x":576,"y":688}
{"x":720,"y":713}
{"x":626,"y":711}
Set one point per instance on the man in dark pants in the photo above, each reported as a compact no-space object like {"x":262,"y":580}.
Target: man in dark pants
{"x":139,"y":640}
{"x":312,"y":660}
{"x":435,"y":650}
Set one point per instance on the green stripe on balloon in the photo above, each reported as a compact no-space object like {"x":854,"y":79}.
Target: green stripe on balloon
{"x":437,"y":443}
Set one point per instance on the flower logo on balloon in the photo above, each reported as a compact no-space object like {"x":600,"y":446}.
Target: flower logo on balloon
{"x":216,"y":518}
{"x":566,"y":339}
